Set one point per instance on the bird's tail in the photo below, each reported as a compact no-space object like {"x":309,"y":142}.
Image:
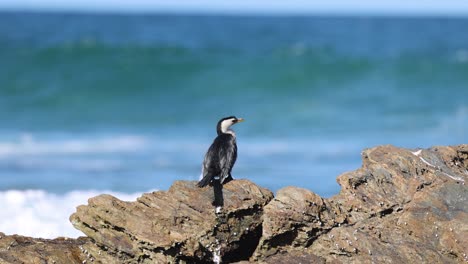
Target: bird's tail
{"x":204,"y":182}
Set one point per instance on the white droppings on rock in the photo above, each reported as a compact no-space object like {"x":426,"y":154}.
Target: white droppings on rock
{"x":217,"y":255}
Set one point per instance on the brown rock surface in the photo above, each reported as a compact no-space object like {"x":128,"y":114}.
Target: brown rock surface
{"x":179,"y":225}
{"x":401,"y":206}
{"x":20,"y":249}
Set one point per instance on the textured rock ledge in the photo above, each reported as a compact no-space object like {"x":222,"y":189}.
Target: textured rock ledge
{"x":401,"y":206}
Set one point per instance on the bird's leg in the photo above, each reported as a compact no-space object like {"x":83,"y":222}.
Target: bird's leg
{"x":218,"y":201}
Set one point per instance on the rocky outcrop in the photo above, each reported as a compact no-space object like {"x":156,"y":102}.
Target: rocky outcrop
{"x":20,"y":249}
{"x":179,"y":225}
{"x":401,"y":206}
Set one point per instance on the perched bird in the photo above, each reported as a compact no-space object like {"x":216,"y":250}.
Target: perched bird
{"x":222,"y":154}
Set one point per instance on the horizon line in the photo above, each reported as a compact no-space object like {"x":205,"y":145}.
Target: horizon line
{"x":236,"y":12}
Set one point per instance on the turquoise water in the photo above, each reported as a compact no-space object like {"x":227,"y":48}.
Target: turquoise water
{"x":129,"y":103}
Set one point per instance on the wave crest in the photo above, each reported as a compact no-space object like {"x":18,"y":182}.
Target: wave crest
{"x":29,"y":145}
{"x":38,"y":213}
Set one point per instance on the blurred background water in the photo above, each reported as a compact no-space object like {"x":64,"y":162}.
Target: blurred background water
{"x":93,"y":103}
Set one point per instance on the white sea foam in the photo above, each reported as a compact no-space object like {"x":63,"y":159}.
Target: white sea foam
{"x":27,"y":144}
{"x":38,"y":213}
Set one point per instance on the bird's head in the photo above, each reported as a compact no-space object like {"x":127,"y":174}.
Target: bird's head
{"x":225,"y":123}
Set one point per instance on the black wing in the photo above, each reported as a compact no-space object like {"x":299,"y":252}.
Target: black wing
{"x":228,"y":158}
{"x":219,"y":159}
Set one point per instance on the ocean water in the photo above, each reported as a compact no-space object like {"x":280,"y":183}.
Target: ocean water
{"x":125,"y":104}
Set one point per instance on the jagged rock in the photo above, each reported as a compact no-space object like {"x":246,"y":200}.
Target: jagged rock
{"x":298,"y":256}
{"x":20,"y":249}
{"x":402,"y":206}
{"x":295,"y":218}
{"x":179,"y":225}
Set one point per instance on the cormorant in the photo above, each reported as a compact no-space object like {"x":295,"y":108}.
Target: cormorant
{"x":222,"y":154}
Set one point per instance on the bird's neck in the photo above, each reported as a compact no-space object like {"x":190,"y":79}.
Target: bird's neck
{"x":230,"y":131}
{"x":227,"y":132}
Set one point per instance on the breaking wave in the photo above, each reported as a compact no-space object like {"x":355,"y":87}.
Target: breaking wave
{"x":38,"y":213}
{"x":27,"y":144}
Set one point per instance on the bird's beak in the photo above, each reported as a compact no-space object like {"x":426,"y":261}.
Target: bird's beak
{"x":240,"y":120}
